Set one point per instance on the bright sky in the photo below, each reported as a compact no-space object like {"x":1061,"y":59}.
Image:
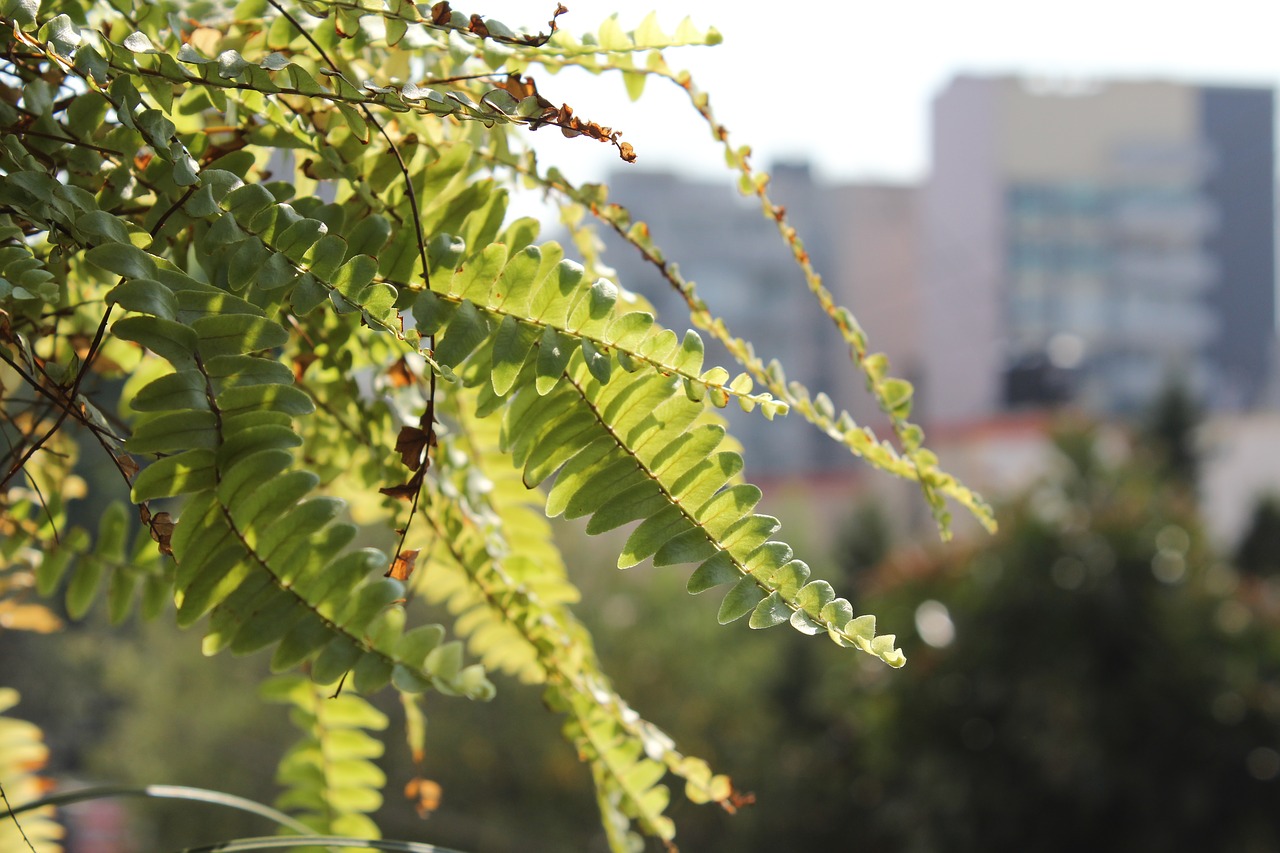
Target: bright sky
{"x":847,"y":83}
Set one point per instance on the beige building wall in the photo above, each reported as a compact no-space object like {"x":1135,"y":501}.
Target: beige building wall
{"x":1240,"y":465}
{"x":1074,"y":132}
{"x":962,"y":263}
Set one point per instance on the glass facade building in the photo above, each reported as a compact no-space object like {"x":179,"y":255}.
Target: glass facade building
{"x":1101,"y":241}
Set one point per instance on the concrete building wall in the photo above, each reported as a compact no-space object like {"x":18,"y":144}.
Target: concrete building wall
{"x":1073,"y":132}
{"x":1240,"y":466}
{"x":962,"y":263}
{"x":1239,"y":128}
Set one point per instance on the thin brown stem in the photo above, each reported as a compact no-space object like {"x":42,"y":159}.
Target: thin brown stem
{"x":14,"y":818}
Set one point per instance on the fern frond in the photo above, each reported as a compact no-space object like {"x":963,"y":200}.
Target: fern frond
{"x":514,"y":629}
{"x":25,"y":281}
{"x":624,"y":452}
{"x":512,"y":603}
{"x":252,"y":545}
{"x":604,"y":48}
{"x":400,"y":14}
{"x":133,"y":576}
{"x":276,"y":75}
{"x":538,"y":300}
{"x":24,"y":553}
{"x":674,"y":482}
{"x":331,"y":781}
{"x":532,"y":297}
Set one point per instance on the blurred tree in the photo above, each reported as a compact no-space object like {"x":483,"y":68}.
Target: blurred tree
{"x":864,"y":541}
{"x":1259,"y":550}
{"x":1170,"y":425}
{"x":1092,"y":683}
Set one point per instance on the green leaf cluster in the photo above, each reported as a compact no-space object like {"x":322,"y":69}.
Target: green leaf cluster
{"x":329,"y":775}
{"x":285,"y":233}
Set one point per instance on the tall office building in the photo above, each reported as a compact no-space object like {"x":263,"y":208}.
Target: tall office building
{"x":1090,"y":242}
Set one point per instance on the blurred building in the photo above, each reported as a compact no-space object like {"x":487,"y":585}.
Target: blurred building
{"x":1091,"y":242}
{"x":861,"y":238}
{"x":1082,"y":243}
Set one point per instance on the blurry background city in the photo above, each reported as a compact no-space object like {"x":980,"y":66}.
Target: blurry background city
{"x":1080,"y":282}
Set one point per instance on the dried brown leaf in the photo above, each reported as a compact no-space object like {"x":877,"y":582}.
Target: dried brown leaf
{"x":411,"y":444}
{"x":128,"y":466}
{"x":403,"y":565}
{"x":400,"y":374}
{"x":161,"y":525}
{"x":424,"y":794}
{"x":404,"y":492}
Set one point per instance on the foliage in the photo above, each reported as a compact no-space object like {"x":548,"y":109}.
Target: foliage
{"x":1259,"y":550}
{"x":22,"y":755}
{"x":328,"y":774}
{"x":1136,"y":708}
{"x":1171,"y":428}
{"x":284,"y":228}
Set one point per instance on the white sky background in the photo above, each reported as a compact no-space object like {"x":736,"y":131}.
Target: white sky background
{"x":847,"y":83}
